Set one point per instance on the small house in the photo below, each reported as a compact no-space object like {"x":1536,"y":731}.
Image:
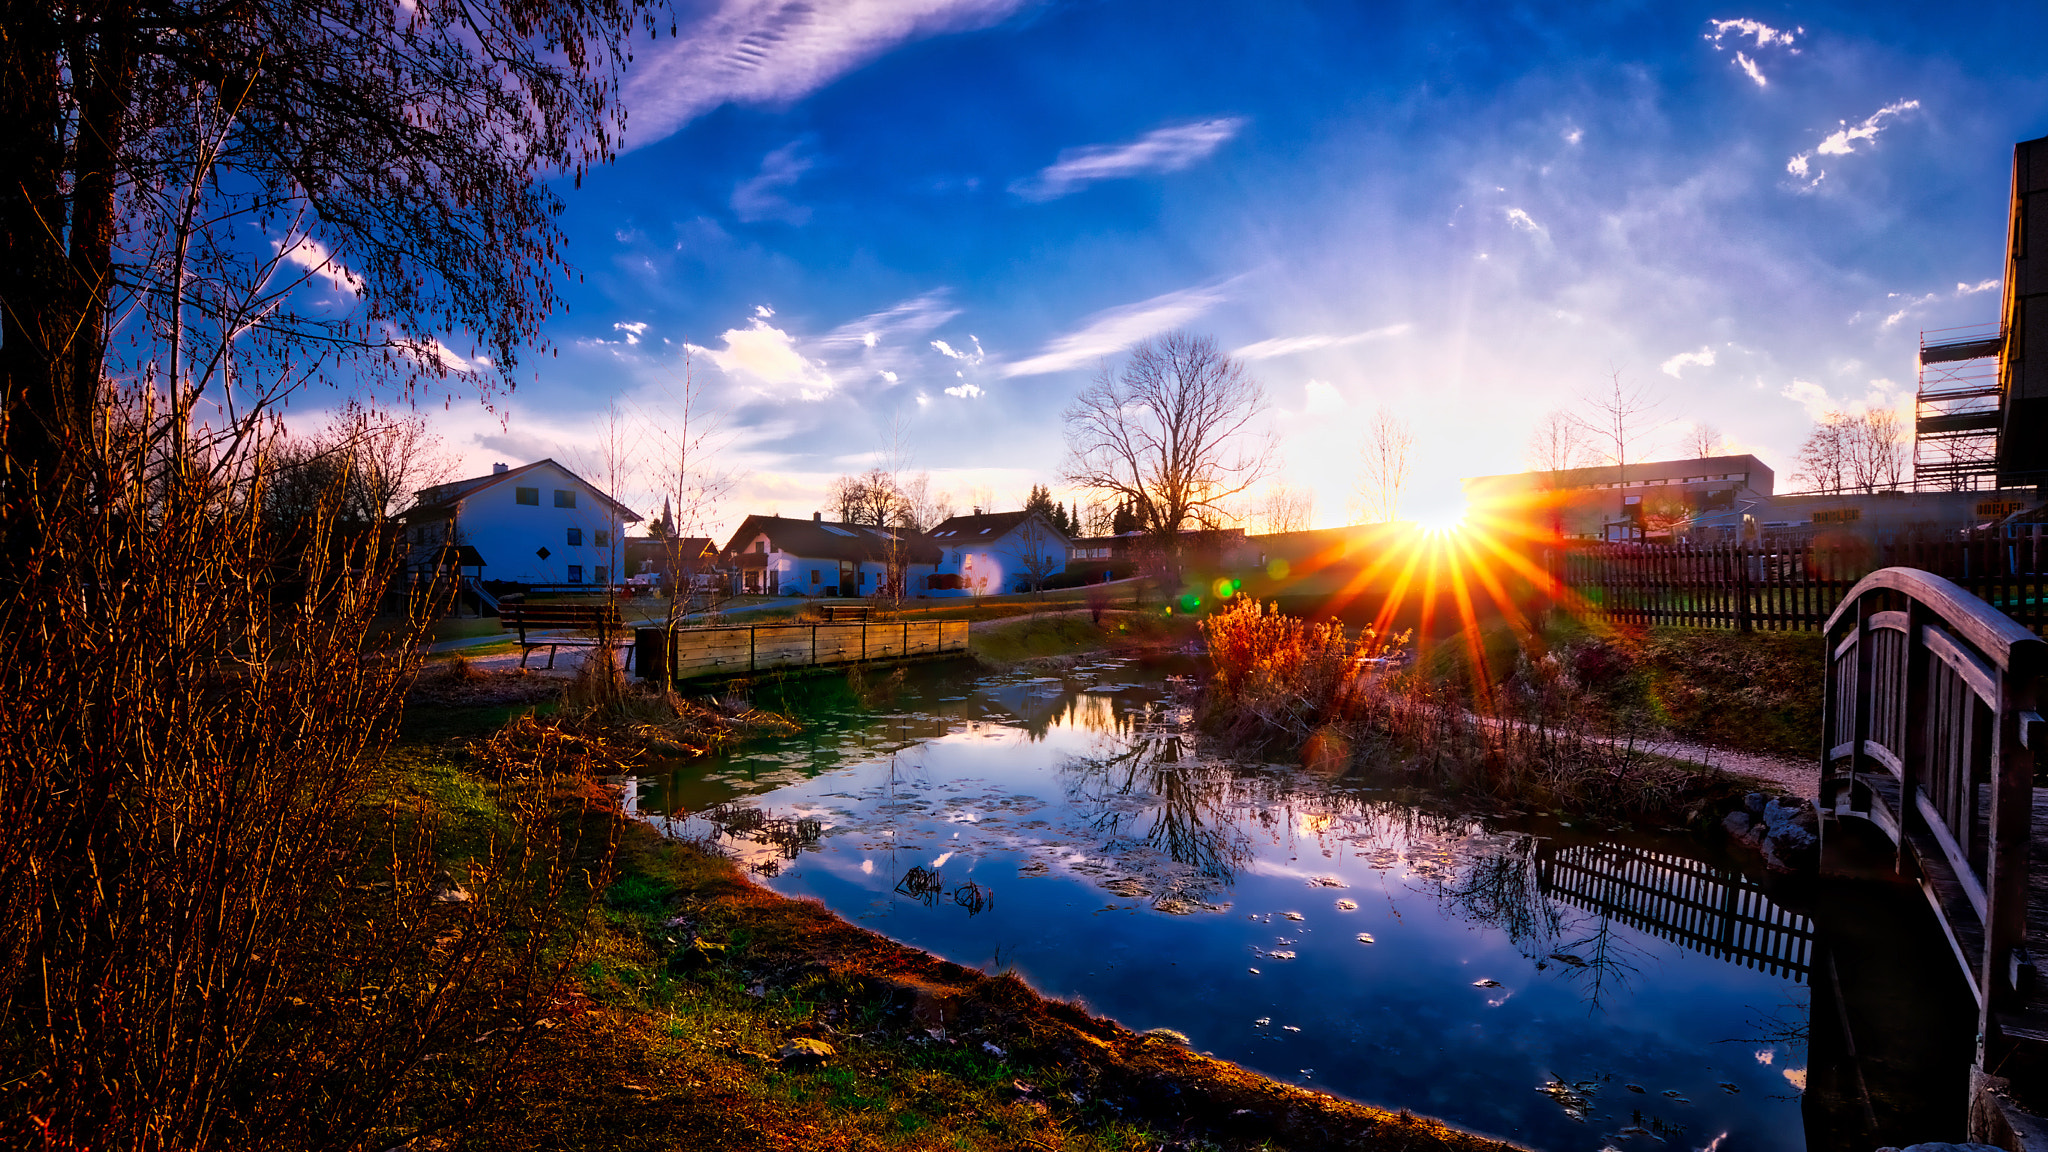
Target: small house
{"x":818,"y":557}
{"x":995,"y":552}
{"x":537,"y":524}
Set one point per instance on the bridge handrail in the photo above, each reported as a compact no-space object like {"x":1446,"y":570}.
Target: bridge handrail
{"x":1991,"y":632}
{"x":1930,"y":696}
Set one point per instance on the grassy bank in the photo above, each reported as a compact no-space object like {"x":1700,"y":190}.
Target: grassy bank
{"x":1043,"y":635}
{"x":697,"y":1009}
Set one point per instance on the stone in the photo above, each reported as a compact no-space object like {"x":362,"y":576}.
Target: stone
{"x":1938,"y":1146}
{"x":804,"y":1053}
{"x":1738,"y":824}
{"x":1754,"y":803}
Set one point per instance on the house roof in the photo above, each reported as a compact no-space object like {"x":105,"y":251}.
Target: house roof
{"x":833,"y":539}
{"x":442,"y":498}
{"x":988,"y":526}
{"x":1703,"y":469}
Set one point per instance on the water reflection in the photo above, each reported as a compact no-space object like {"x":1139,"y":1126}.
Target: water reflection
{"x":1513,"y":978}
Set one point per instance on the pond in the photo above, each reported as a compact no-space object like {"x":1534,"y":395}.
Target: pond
{"x":1529,"y":980}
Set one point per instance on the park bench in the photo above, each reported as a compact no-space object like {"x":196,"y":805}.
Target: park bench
{"x":844,"y":613}
{"x":542,"y":626}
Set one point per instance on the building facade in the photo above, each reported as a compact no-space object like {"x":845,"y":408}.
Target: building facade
{"x":1706,"y":498}
{"x":536,"y":524}
{"x":775,"y":555}
{"x":987,"y":554}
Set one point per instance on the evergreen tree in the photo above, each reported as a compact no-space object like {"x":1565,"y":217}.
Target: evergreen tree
{"x":1124,"y":520}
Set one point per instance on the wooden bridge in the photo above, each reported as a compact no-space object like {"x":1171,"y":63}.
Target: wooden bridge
{"x":1932,"y":729}
{"x":743,"y":650}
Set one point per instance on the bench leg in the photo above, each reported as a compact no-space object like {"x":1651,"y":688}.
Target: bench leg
{"x":524,"y":652}
{"x":551,"y":657}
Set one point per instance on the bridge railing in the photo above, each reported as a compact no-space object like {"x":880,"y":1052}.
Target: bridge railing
{"x":1929,"y":714}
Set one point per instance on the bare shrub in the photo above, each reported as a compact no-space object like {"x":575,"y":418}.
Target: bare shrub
{"x":220,"y":922}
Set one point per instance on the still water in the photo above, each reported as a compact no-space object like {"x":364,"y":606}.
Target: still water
{"x":1524,"y":979}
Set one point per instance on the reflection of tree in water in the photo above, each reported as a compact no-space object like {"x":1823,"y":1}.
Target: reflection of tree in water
{"x":1148,"y":772}
{"x":744,"y":823}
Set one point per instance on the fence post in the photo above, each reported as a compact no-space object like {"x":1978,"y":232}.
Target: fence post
{"x":2017,"y":730}
{"x":1742,"y":620}
{"x":1918,"y":671}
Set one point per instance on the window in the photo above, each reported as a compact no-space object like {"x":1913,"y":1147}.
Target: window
{"x":814,"y":575}
{"x":527,"y":496}
{"x":565,"y":497}
{"x":575,"y":537}
{"x":600,"y":575}
{"x":760,"y":546}
{"x":575,"y":573}
{"x":864,"y":577}
{"x":603,"y":539}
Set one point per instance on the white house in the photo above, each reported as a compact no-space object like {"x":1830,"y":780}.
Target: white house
{"x":989,"y":553}
{"x":535,"y":524}
{"x":819,"y":557}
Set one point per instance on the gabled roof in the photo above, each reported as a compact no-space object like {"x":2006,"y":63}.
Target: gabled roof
{"x":834,"y":540}
{"x":986,"y":527}
{"x":442,"y":497}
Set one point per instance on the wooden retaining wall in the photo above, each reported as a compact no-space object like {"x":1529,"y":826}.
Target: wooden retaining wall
{"x":694,"y":653}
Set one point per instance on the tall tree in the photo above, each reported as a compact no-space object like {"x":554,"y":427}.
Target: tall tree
{"x":1558,"y":443}
{"x":1284,"y":508}
{"x":1385,"y":456}
{"x":1617,"y":418}
{"x":184,"y":167}
{"x":1703,"y":440}
{"x":1171,"y":432}
{"x":1824,"y":456}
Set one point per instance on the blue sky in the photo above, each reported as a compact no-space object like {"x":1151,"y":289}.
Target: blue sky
{"x":928,"y":223}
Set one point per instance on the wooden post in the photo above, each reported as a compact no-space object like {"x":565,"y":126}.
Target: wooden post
{"x":753,"y":661}
{"x":2018,"y":727}
{"x":1742,"y":620}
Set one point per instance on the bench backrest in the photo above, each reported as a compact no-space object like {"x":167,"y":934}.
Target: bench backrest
{"x":844,"y":612}
{"x":520,"y":617}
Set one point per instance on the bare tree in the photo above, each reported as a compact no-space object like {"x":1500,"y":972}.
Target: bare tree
{"x":1876,"y":450}
{"x":1558,"y":443}
{"x":1385,"y":456}
{"x":1283,"y":508}
{"x":1040,"y":563}
{"x":1171,"y":431}
{"x":1617,"y":418}
{"x":1703,"y":440}
{"x":686,"y":437}
{"x":1824,"y":457}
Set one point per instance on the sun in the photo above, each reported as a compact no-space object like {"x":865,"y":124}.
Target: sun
{"x":1443,"y":522}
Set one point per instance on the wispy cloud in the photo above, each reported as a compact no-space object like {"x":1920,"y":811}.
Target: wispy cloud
{"x":778,"y":51}
{"x":966,"y":392}
{"x":1289,"y":345}
{"x":952,"y":353}
{"x":761,"y":197}
{"x":1843,"y":141}
{"x":1764,"y":35}
{"x":1703,"y":358}
{"x":1523,"y":222}
{"x":633,"y":331}
{"x":1167,"y":149}
{"x":314,"y":257}
{"x":1979,"y":286}
{"x":909,"y":319}
{"x":1109,"y":332}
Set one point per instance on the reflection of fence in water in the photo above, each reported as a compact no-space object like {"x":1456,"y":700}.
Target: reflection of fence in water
{"x":1723,"y":914}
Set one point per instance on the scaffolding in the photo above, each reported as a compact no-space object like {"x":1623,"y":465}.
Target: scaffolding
{"x":1956,"y":414}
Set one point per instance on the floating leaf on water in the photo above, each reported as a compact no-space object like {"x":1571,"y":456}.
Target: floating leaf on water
{"x":1729,"y":1088}
{"x":1262,"y":1022}
{"x":1279,"y":955}
{"x":1289,"y":1028}
{"x":1365,"y":938}
{"x":1486,"y":983}
{"x":1130,"y":887}
{"x":1253,"y":971}
{"x":1636,"y":1088}
{"x":1568,"y":958}
{"x":1327,"y":882}
{"x":1573,"y":1098}
{"x":1347,"y":905}
{"x":1294,"y":916}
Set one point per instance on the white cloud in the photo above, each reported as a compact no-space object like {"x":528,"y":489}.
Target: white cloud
{"x":952,"y":353}
{"x":1574,"y":134}
{"x":314,"y":257}
{"x":633,"y":331}
{"x":1116,"y":329}
{"x":1818,"y":402}
{"x":777,"y":52}
{"x":965,"y":392}
{"x":761,"y":197}
{"x":1979,"y":286}
{"x":1168,"y":149}
{"x":763,"y":311}
{"x":769,"y":356}
{"x":1810,"y":396}
{"x":1764,"y":33}
{"x":1704,"y":358}
{"x":432,"y":354}
{"x":1522,"y":221}
{"x":1843,"y":141}
{"x":888,"y":375}
{"x":1288,"y":345}
{"x":1747,"y":65}
{"x":1322,"y":398}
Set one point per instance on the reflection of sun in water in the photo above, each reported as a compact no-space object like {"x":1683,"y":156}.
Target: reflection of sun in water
{"x":1315,"y":825}
{"x":1093,"y":712}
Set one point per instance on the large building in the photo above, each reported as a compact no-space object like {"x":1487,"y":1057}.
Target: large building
{"x":536,"y":524}
{"x":1709,"y":498}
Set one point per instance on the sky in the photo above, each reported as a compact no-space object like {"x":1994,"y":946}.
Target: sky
{"x":916,"y":229}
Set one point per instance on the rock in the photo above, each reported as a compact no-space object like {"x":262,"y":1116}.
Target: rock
{"x":1738,"y":824}
{"x":1781,"y":816}
{"x":1754,"y":804}
{"x":1937,"y":1146}
{"x":804,"y":1053}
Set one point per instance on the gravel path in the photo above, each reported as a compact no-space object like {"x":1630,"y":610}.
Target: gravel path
{"x":1800,"y":777}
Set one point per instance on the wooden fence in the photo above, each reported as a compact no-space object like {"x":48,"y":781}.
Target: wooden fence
{"x":742,"y":650}
{"x":1722,"y":913}
{"x":1775,"y":586}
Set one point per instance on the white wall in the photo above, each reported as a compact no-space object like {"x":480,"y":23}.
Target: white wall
{"x":507,"y":534}
{"x":1000,"y":562}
